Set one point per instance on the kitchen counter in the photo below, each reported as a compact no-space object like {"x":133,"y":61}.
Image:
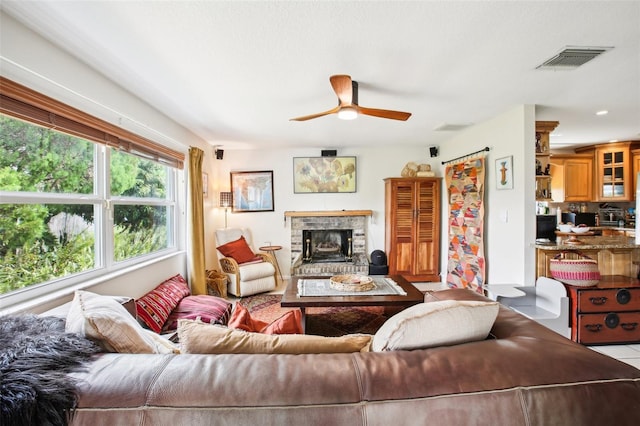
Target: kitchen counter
{"x":591,"y":243}
{"x":615,"y":254}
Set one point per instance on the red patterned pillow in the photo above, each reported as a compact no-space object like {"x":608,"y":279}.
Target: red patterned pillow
{"x":289,"y":323}
{"x":209,"y":309}
{"x":238,"y":250}
{"x":154,"y":308}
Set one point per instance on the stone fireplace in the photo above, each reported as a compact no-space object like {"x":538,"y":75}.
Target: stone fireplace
{"x":329,"y":243}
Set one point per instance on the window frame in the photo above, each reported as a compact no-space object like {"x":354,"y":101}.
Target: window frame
{"x":24,"y":104}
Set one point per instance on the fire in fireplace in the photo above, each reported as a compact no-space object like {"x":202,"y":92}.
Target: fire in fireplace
{"x":327,"y":245}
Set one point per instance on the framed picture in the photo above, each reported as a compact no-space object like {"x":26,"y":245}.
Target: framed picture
{"x":252,"y":191}
{"x":324,"y":174}
{"x":504,"y":173}
{"x":205,"y":185}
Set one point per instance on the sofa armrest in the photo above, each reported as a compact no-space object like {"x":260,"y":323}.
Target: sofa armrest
{"x":229,"y":265}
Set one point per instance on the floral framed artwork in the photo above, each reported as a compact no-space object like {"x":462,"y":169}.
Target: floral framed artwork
{"x":324,"y":174}
{"x":252,"y":191}
{"x":504,"y":173}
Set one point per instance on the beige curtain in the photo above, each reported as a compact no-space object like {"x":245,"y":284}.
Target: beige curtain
{"x":196,"y":222}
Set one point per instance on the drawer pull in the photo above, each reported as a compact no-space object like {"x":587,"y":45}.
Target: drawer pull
{"x":598,"y":300}
{"x":611,"y":320}
{"x":623,"y":296}
{"x":593,"y":327}
{"x":629,"y":326}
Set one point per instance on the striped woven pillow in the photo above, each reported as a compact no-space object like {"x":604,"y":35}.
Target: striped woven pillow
{"x":209,"y":309}
{"x":154,"y":308}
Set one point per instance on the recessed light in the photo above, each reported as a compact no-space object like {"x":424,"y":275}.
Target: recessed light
{"x":613,"y":140}
{"x":603,"y":112}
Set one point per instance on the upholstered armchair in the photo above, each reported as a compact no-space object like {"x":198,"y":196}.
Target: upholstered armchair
{"x":249,"y":273}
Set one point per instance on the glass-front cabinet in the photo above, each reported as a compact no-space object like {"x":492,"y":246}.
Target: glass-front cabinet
{"x":614,"y":172}
{"x":613,"y":182}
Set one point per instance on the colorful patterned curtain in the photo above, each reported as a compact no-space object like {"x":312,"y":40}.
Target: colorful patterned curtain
{"x":466,"y":263}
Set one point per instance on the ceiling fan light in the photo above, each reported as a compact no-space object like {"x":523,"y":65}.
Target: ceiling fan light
{"x":347,"y":113}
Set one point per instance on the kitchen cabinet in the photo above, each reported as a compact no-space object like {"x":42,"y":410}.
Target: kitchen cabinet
{"x":571,"y":178}
{"x":613,"y":170}
{"x":412,"y":227}
{"x":636,"y":169}
{"x":543,"y":163}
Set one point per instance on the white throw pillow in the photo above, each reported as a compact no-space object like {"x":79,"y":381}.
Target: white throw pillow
{"x":200,"y":338}
{"x":103,"y":319}
{"x":447,"y":322}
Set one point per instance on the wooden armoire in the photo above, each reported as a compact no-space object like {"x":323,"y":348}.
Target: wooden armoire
{"x":412,"y":227}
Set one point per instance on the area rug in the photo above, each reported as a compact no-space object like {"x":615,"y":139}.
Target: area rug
{"x":333,"y":321}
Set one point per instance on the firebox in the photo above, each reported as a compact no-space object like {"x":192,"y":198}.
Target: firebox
{"x":327,"y":245}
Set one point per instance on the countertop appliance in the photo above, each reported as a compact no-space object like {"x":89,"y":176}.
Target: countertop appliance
{"x":609,"y":216}
{"x":588,"y":219}
{"x":546,"y":228}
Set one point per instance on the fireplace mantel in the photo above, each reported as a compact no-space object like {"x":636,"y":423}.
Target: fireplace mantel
{"x":324,"y":213}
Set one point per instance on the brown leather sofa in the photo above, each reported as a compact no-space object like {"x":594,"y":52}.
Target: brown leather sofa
{"x":523,"y":374}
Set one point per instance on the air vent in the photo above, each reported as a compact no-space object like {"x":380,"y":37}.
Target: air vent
{"x":573,"y":57}
{"x":447,"y":127}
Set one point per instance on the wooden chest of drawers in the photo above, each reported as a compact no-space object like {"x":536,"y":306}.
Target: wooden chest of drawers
{"x":606,"y":313}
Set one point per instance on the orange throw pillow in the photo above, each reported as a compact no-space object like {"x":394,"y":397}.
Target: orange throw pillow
{"x":289,"y":323}
{"x":238,"y":250}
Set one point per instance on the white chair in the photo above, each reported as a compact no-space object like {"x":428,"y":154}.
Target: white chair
{"x":248,"y":278}
{"x":546,"y":302}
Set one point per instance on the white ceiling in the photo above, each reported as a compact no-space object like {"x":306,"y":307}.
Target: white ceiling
{"x":235,"y":72}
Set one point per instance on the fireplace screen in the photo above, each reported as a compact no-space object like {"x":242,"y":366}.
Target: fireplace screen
{"x":327,"y":245}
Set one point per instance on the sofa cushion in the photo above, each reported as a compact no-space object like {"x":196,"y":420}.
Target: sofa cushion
{"x":209,"y":309}
{"x":239,"y":251}
{"x":426,"y":325}
{"x":155,"y":307}
{"x":199,"y":338}
{"x":289,"y":323}
{"x":104,"y":320}
{"x":253,"y":271}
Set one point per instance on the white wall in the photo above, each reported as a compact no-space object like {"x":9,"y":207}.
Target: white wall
{"x":373,"y":165}
{"x":509,"y":252}
{"x":28,"y":59}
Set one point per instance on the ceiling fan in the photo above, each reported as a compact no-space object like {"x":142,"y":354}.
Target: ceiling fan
{"x":348,"y":108}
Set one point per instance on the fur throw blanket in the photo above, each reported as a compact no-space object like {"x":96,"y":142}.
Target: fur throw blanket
{"x":36,"y":357}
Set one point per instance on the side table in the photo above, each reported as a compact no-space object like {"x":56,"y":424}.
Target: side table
{"x":272,"y":251}
{"x":606,"y":313}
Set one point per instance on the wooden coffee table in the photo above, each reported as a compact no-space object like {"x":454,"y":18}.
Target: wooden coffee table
{"x":290,"y":298}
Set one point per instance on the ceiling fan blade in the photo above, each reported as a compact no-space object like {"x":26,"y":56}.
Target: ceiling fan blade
{"x":385,"y":113}
{"x":343,"y":87}
{"x":320,"y":114}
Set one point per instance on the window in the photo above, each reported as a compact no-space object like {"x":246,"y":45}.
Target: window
{"x":71,"y":208}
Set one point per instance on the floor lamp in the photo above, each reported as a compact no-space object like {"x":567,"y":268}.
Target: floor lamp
{"x":225,"y":201}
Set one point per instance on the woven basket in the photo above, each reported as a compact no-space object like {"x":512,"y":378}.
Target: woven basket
{"x":216,"y":283}
{"x":351,"y":282}
{"x":581,"y":272}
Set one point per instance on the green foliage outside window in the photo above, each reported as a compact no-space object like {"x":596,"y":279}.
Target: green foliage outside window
{"x":34,"y":247}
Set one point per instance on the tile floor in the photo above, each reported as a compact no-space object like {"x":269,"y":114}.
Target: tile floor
{"x":629,"y":354}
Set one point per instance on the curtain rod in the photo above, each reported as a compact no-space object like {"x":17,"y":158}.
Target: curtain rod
{"x":486,"y":148}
